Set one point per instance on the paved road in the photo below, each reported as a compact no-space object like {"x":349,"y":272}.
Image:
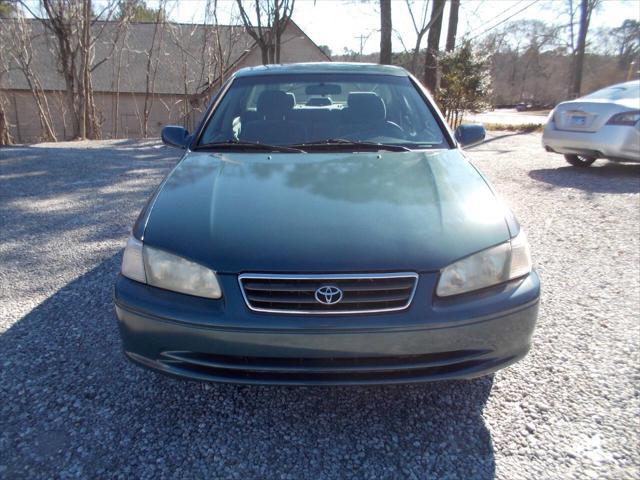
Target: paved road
{"x":72,"y":407}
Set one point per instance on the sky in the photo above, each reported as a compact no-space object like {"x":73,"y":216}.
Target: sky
{"x":340,"y":24}
{"x":354,"y":24}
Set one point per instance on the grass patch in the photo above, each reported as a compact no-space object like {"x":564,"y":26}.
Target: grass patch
{"x":524,"y":128}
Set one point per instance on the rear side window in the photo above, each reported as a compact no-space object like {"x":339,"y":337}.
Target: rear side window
{"x":618,"y":92}
{"x":308,"y":108}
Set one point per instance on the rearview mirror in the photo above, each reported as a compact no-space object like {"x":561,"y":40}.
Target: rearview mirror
{"x":468,"y":135}
{"x":323,"y":89}
{"x":175,"y":136}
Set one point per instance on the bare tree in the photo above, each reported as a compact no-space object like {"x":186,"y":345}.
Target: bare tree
{"x":5,"y":134}
{"x":151,"y":70}
{"x":385,"y":32}
{"x":126,"y":13}
{"x":527,"y":62}
{"x":421,"y":28}
{"x":71,"y":23}
{"x":88,"y":127}
{"x":186,"y":37}
{"x":433,"y":47}
{"x":216,"y":62}
{"x":62,"y":21}
{"x":586,"y":8}
{"x":626,"y":41}
{"x":268,"y":25}
{"x":452,"y":28}
{"x":19,"y":37}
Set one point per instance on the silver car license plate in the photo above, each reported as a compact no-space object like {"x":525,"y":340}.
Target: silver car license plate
{"x":578,"y":121}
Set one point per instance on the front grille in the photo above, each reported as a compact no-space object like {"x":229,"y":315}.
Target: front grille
{"x":298,"y":294}
{"x":334,"y":370}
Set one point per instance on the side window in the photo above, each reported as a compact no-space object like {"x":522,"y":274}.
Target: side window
{"x":252,"y":97}
{"x":225,"y":121}
{"x":390,"y":100}
{"x":417,"y":122}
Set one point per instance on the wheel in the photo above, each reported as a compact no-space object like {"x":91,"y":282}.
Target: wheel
{"x":579,"y":160}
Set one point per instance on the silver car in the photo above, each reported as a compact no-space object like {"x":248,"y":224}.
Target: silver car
{"x":603,"y":124}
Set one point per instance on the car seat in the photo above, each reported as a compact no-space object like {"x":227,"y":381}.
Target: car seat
{"x":366,"y":117}
{"x":272,"y":125}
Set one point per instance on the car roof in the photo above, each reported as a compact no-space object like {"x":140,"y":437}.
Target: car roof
{"x":629,"y":84}
{"x":322,"y":67}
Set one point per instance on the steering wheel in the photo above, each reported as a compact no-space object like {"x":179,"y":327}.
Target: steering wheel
{"x":380,"y":129}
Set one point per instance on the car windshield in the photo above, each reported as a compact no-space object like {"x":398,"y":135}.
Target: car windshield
{"x":629,"y":91}
{"x":324,"y":110}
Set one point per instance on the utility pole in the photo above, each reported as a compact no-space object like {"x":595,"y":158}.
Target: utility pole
{"x":362,"y":39}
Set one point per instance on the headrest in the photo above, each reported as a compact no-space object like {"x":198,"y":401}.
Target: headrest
{"x":366,"y":106}
{"x":274,"y":103}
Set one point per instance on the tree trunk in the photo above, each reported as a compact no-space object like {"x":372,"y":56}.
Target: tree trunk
{"x":116,"y":110}
{"x":84,"y":80}
{"x":46,"y":125}
{"x":21,"y":52}
{"x":275,"y":29}
{"x":277,"y":16}
{"x":416,"y":52}
{"x":151,"y":70}
{"x":69,"y":98}
{"x":264,"y":52}
{"x":385,"y":32}
{"x":5,"y":135}
{"x":452,"y":29}
{"x":578,"y":59}
{"x":433,"y":46}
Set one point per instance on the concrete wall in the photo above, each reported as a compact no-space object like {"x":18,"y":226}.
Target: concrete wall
{"x":166,"y":109}
{"x":126,"y":120}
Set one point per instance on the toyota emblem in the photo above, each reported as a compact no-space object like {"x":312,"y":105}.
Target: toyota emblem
{"x":328,"y":295}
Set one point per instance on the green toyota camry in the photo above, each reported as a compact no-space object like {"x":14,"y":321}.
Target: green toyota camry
{"x":324,"y":227}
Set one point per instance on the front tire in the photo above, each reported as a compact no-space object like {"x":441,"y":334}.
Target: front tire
{"x":579,"y":160}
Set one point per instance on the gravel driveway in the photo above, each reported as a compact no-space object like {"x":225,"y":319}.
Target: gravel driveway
{"x":72,"y":406}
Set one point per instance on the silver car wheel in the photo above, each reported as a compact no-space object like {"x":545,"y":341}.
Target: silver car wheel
{"x":579,"y":160}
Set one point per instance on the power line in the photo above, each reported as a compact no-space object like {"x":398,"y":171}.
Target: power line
{"x":502,"y":21}
{"x":499,"y":15}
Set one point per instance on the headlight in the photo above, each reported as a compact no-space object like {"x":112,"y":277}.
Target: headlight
{"x":132,"y":263}
{"x":165,"y":270}
{"x":495,"y":265}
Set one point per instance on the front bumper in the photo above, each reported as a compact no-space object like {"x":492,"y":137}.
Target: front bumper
{"x":613,"y":142}
{"x":222,"y":340}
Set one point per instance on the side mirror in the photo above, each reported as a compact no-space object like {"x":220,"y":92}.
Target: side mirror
{"x":175,"y":136}
{"x":468,"y":135}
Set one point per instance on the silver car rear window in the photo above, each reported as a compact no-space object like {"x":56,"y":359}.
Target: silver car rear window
{"x":617,"y":92}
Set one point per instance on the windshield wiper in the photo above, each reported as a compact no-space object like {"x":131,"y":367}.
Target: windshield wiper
{"x":237,"y":144}
{"x":337,"y":142}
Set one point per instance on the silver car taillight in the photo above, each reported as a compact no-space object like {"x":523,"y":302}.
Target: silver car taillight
{"x":629,"y":118}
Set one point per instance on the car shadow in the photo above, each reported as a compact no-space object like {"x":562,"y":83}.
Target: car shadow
{"x":73,"y":406}
{"x":52,"y":189}
{"x":607,"y":177}
{"x":492,"y":138}
{"x":486,"y":147}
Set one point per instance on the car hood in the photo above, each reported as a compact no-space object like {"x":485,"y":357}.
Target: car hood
{"x":325,"y":212}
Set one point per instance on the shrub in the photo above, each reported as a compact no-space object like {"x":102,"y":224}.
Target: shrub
{"x":465,"y":83}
